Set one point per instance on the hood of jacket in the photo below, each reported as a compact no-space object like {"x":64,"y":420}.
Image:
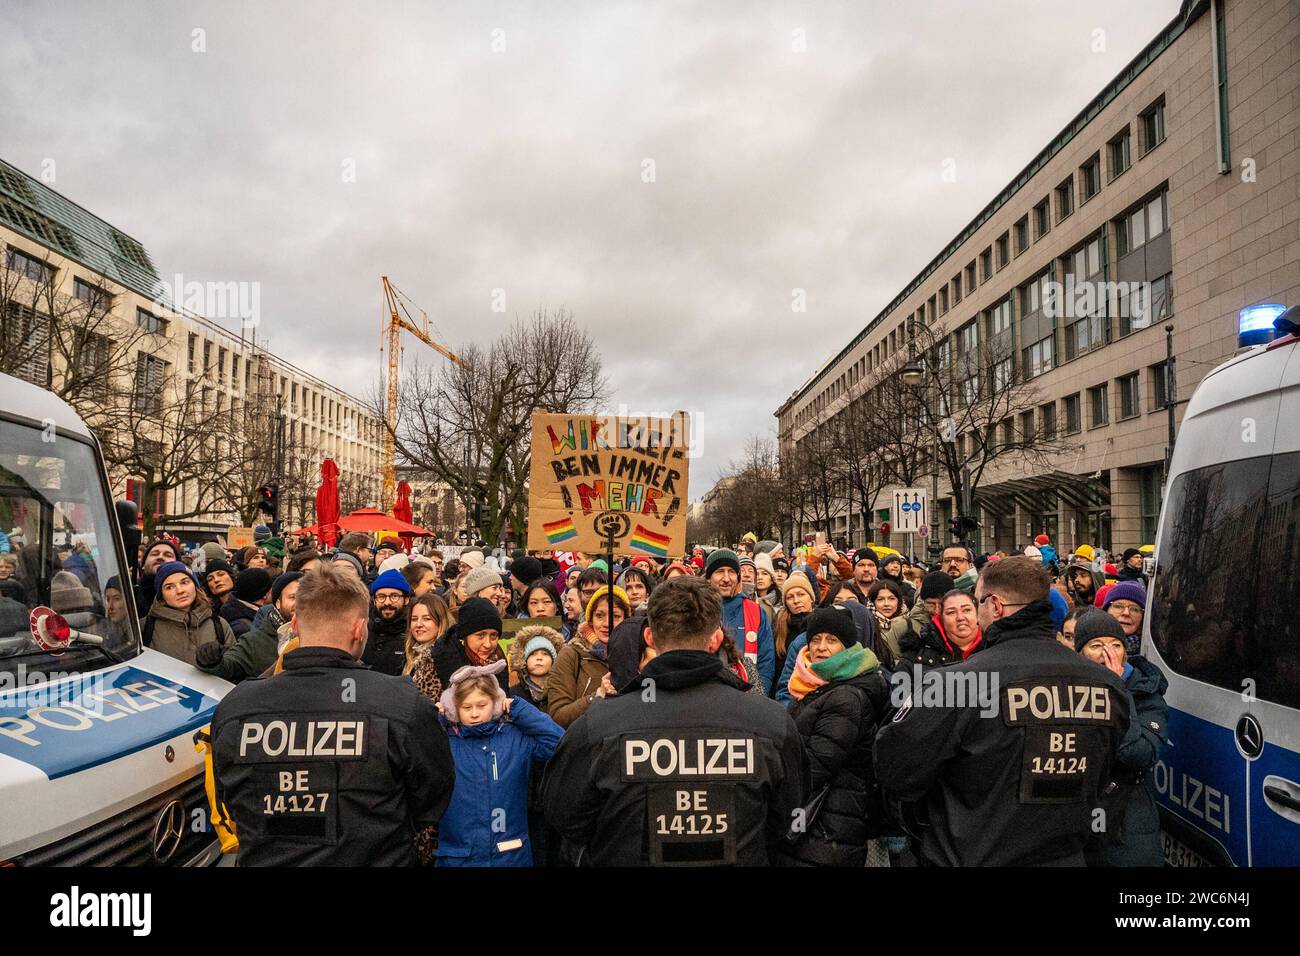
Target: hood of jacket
{"x":1146,"y":677}
{"x":676,"y":670}
{"x":1034,"y":620}
{"x":526,"y":634}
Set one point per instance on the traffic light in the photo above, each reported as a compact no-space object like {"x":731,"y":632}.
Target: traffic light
{"x":268,"y":499}
{"x":954,"y":528}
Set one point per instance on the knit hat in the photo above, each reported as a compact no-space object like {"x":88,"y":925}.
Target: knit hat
{"x":1041,"y":540}
{"x":477,"y":614}
{"x":218,"y":564}
{"x":600,"y":565}
{"x":526,"y":570}
{"x":472,"y":558}
{"x":1102,"y":592}
{"x":602,"y":594}
{"x":213,"y":552}
{"x":836,"y":620}
{"x":391,"y":580}
{"x":153,"y":543}
{"x":676,"y":566}
{"x":935,"y":585}
{"x":798,"y":581}
{"x":281,"y":582}
{"x":166,"y":570}
{"x":1060,"y":608}
{"x":1131,"y":553}
{"x":351,"y":559}
{"x":1086,"y":552}
{"x":448,"y":698}
{"x":68,"y":594}
{"x":1093,"y":624}
{"x":1032,"y":552}
{"x":252,"y":584}
{"x":394,"y":562}
{"x":890,"y":559}
{"x":721,"y":558}
{"x":1127,"y":591}
{"x":524,"y":640}
{"x":480,"y":578}
{"x":747,"y":561}
{"x":698,"y":563}
{"x":391,"y":543}
{"x":780,"y":564}
{"x":539,"y":643}
{"x":763,"y":562}
{"x":866,"y":554}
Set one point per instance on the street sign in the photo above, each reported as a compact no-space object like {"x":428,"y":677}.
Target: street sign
{"x":910,"y":504}
{"x":924,"y":531}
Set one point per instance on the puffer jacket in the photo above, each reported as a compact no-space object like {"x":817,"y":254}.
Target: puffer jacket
{"x":930,"y":647}
{"x":1138,"y":838}
{"x":179,"y":633}
{"x":838,"y":724}
{"x":573,"y":681}
{"x":486,"y":823}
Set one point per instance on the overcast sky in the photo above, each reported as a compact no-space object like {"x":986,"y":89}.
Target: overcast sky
{"x":505,"y":146}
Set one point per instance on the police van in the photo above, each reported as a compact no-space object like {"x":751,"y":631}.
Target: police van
{"x":98,"y":764}
{"x":1223,"y":614}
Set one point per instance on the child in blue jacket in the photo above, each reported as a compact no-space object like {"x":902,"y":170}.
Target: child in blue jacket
{"x":494,"y":741}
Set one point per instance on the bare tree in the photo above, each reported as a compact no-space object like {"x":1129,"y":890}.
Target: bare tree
{"x":471,"y":425}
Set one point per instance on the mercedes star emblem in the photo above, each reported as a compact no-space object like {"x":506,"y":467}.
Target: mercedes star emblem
{"x":168,"y":831}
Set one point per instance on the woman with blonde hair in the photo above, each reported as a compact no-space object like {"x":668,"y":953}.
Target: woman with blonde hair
{"x":429,"y":619}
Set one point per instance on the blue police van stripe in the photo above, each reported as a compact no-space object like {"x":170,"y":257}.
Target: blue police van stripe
{"x":97,"y":718}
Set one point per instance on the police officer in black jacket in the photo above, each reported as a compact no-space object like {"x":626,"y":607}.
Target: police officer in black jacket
{"x":330,"y":762}
{"x":1013,"y":765}
{"x":682,"y":767}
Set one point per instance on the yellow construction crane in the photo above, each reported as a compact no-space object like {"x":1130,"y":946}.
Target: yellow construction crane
{"x":395,"y":324}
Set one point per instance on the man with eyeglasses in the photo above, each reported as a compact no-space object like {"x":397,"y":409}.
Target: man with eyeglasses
{"x":386,"y":647}
{"x":1010,"y":768}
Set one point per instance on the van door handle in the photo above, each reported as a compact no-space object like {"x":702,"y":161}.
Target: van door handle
{"x":1278,"y":795}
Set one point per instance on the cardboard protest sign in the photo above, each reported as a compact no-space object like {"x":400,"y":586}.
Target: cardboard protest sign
{"x":237,"y":537}
{"x":593,"y":475}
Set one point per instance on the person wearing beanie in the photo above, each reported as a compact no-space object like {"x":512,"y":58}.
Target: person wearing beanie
{"x":255,"y":652}
{"x":180,"y":620}
{"x":839,"y":698}
{"x":523,"y":572}
{"x":797,"y":603}
{"x":394,"y":562}
{"x":473,"y":640}
{"x":252,"y":591}
{"x":933,"y":587}
{"x":385,"y":649}
{"x":766,"y":591}
{"x":1103,"y":640}
{"x":866,"y":568}
{"x":581,"y":671}
{"x":1131,"y":567}
{"x":532,"y":655}
{"x":891,"y":568}
{"x":473,"y":558}
{"x":212,"y":552}
{"x":743,"y":617}
{"x":1033,"y":552}
{"x":1127,"y":602}
{"x":1084,"y":554}
{"x":1060,"y":609}
{"x":155,"y":554}
{"x":780,"y":570}
{"x":486,"y":583}
{"x":495,"y":743}
{"x":675,"y":568}
{"x":219,"y":578}
{"x":1046,"y":552}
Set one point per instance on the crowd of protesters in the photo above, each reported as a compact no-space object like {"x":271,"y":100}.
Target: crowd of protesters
{"x":514,"y":650}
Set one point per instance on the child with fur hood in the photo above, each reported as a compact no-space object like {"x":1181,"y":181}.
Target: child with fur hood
{"x":494,"y":742}
{"x":532,"y":655}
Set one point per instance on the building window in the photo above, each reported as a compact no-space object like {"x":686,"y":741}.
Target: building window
{"x":92,"y":295}
{"x":149,"y":322}
{"x":1151,"y":484}
{"x":1073,"y":418}
{"x":943,"y":354}
{"x":95,"y":351}
{"x":193,"y":350}
{"x":1037,"y":294}
{"x":1065,"y":199}
{"x":1086,"y":261}
{"x":1008,"y":433}
{"x":207,"y":357}
{"x":943,"y":300}
{"x":1153,"y":125}
{"x":1037,"y":358}
{"x":986,"y":265}
{"x":234,"y":370}
{"x":1084,"y":335}
{"x":970,"y":390}
{"x":1000,"y":317}
{"x":1129,"y":404}
{"x":1027,"y":429}
{"x":1003,"y":246}
{"x":968,"y":337}
{"x":956,"y":288}
{"x":1002,"y":372}
{"x":1145,"y":303}
{"x":1048,"y":415}
{"x":1099,"y":405}
{"x":1042,"y":219}
{"x":970,"y":278}
{"x":1159,"y":376}
{"x":149,"y":375}
{"x":18,"y":261}
{"x":1022,"y":235}
{"x":1090,"y":177}
{"x":1119,"y":153}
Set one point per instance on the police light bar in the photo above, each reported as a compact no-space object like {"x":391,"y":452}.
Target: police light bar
{"x":1255,"y":324}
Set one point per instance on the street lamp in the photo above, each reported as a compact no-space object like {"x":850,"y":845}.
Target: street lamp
{"x":912,"y":373}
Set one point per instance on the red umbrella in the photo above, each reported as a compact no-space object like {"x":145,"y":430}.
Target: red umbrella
{"x":372,"y":519}
{"x":402,"y":511}
{"x":327,"y":503}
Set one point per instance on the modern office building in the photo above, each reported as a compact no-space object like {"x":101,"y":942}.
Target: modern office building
{"x":179,"y":357}
{"x":1177,"y":191}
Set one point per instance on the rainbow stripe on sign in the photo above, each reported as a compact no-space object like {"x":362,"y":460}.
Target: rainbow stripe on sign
{"x":649,"y":542}
{"x":560,"y":531}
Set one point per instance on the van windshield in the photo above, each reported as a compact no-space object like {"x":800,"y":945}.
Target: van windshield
{"x":57,"y":550}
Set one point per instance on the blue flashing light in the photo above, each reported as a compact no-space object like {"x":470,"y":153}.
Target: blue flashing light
{"x":1255,"y":324}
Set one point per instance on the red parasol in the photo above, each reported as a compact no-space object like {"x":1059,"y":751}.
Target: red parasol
{"x":402,"y":511}
{"x":327,"y":503}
